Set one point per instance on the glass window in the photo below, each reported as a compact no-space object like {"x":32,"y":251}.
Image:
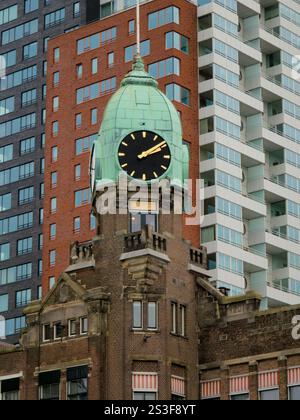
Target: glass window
{"x":3,"y":303}
{"x":77,"y":224}
{"x":49,"y":386}
{"x":110,"y":59}
{"x":76,"y":9}
{"x":131,"y":51}
{"x":5,"y":202}
{"x":269,"y":395}
{"x":24,"y":246}
{"x":23,"y":298}
{"x":72,"y":327}
{"x":152,"y":315}
{"x":84,"y":325}
{"x":30,"y":50}
{"x":94,"y":65}
{"x":31,"y":5}
{"x":77,"y":383}
{"x":46,"y":332}
{"x":137,"y":315}
{"x":94,"y":116}
{"x":82,"y":197}
{"x":294,"y":393}
{"x":4,"y":252}
{"x":163,"y":17}
{"x":144,"y":396}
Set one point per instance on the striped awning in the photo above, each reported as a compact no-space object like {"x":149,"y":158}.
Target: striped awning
{"x":178,"y":386}
{"x":294,"y":376}
{"x":239,"y":384}
{"x":268,"y":380}
{"x":144,"y":382}
{"x":211,"y":389}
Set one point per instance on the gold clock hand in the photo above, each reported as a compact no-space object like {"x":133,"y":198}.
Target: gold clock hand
{"x":150,"y":151}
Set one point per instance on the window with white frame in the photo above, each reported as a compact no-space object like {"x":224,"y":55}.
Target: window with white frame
{"x":10,"y":389}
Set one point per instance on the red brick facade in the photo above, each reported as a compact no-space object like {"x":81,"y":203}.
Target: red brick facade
{"x":65,"y":115}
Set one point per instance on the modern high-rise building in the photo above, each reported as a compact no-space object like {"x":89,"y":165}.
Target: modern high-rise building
{"x":249,"y":87}
{"x":26,"y":27}
{"x":85,"y":67}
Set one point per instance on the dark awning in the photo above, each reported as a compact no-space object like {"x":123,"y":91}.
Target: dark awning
{"x":75,"y":373}
{"x":10,"y":385}
{"x":48,"y":378}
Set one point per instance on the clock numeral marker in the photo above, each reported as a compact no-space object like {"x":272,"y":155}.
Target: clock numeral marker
{"x":144,"y":134}
{"x":124,"y":144}
{"x":125,"y":165}
{"x":167,"y":157}
{"x":132,"y":173}
{"x":155,"y":138}
{"x":163,"y":146}
{"x":163,"y":167}
{"x":155,"y":174}
{"x":144,"y":177}
{"x":122,"y":154}
{"x":133,"y":136}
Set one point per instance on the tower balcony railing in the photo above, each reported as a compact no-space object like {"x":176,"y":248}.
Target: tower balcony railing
{"x":81,"y":252}
{"x":144,"y":239}
{"x":198,"y":256}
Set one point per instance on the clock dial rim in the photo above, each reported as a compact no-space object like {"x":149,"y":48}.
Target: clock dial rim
{"x":164,"y":174}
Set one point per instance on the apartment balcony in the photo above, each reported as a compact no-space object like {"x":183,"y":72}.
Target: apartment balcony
{"x":252,"y":154}
{"x":222,"y":165}
{"x":249,"y":105}
{"x":228,"y":277}
{"x":274,"y":190}
{"x":247,"y":54}
{"x":272,"y":137}
{"x":252,"y":207}
{"x":247,"y":8}
{"x":221,"y":218}
{"x":279,"y":296}
{"x":254,"y":261}
{"x":206,"y":7}
{"x":285,"y":220}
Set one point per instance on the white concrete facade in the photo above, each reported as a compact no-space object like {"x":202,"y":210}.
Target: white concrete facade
{"x":249,"y":110}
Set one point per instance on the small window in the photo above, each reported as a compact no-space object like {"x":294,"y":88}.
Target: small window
{"x":55,"y":126}
{"x":79,"y":71}
{"x":94,"y":116}
{"x":53,"y":231}
{"x":78,"y":120}
{"x":77,"y":225}
{"x":54,"y":154}
{"x":76,"y":9}
{"x":174,"y":317}
{"x":137,"y":315}
{"x":53,"y":179}
{"x":72,"y":327}
{"x":131,"y":27}
{"x":152,"y":315}
{"x":56,"y":79}
{"x":77,"y":172}
{"x":55,"y":103}
{"x":51,"y":282}
{"x":182,"y":321}
{"x":46,"y":332}
{"x":56,"y":55}
{"x":58,"y":331}
{"x":95,"y":66}
{"x":111,"y":59}
{"x":83,"y":326}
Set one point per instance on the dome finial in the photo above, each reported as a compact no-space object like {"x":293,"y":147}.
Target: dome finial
{"x":138,"y":63}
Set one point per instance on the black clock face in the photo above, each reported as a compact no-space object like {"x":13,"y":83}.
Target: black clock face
{"x":144,"y":155}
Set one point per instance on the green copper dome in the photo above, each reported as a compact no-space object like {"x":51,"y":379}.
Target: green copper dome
{"x":139,"y":105}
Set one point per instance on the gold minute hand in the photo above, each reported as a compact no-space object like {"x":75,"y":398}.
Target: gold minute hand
{"x":151,"y":151}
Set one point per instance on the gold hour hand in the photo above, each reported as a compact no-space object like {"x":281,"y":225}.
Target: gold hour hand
{"x":155,"y":149}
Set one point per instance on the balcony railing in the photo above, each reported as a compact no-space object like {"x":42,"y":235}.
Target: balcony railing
{"x":283,"y":289}
{"x":145,"y":239}
{"x":81,"y":252}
